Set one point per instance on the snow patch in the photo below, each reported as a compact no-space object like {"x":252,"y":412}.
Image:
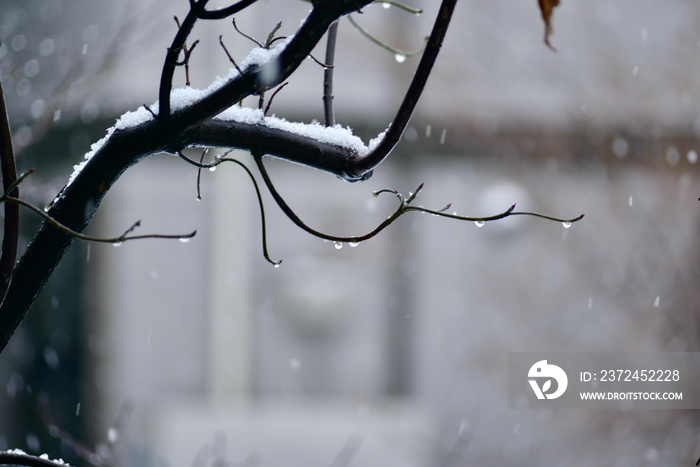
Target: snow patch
{"x":181,"y":98}
{"x":336,"y":135}
{"x":19,"y":452}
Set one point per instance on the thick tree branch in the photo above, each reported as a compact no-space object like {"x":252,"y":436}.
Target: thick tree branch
{"x":171,"y":61}
{"x":403,"y":115}
{"x":9,"y":177}
{"x":73,"y":209}
{"x":293,"y":147}
{"x":223,"y":12}
{"x":19,"y":458}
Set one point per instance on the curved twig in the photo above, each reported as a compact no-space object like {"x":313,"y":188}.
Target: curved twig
{"x":224,"y":12}
{"x":219,"y":160}
{"x":395,"y":51}
{"x":250,"y":38}
{"x":404,"y":207}
{"x":269,"y":101}
{"x":186,"y":59}
{"x":403,"y":115}
{"x":80,"y":236}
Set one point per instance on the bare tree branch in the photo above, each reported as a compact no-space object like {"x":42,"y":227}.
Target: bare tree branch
{"x":425,"y":66}
{"x":20,"y":458}
{"x":328,"y":74}
{"x":9,"y":179}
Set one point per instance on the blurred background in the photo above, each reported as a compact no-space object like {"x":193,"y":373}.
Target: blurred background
{"x":394,"y":352}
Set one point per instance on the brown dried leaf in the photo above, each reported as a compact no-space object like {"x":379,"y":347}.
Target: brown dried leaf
{"x":547,"y":6}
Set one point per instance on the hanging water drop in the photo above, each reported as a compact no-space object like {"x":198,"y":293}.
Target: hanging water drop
{"x":184,"y":239}
{"x":212,"y":168}
{"x":353,"y":244}
{"x":276,"y":265}
{"x":386,"y":5}
{"x":400,"y":58}
{"x":117,"y":244}
{"x":479,"y":223}
{"x":338,"y":245}
{"x":566,"y":224}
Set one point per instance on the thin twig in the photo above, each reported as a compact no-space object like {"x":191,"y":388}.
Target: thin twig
{"x":258,"y":193}
{"x":319,"y":62}
{"x":404,"y":207}
{"x":328,"y":108}
{"x":269,"y":101}
{"x":221,"y":41}
{"x":199,"y":174}
{"x":186,"y":59}
{"x":259,"y":44}
{"x":393,"y":50}
{"x":67,"y":230}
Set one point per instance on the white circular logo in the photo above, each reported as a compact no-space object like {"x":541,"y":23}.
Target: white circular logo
{"x":542,"y":371}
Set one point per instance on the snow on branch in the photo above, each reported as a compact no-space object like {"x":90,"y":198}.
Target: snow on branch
{"x":21,"y":458}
